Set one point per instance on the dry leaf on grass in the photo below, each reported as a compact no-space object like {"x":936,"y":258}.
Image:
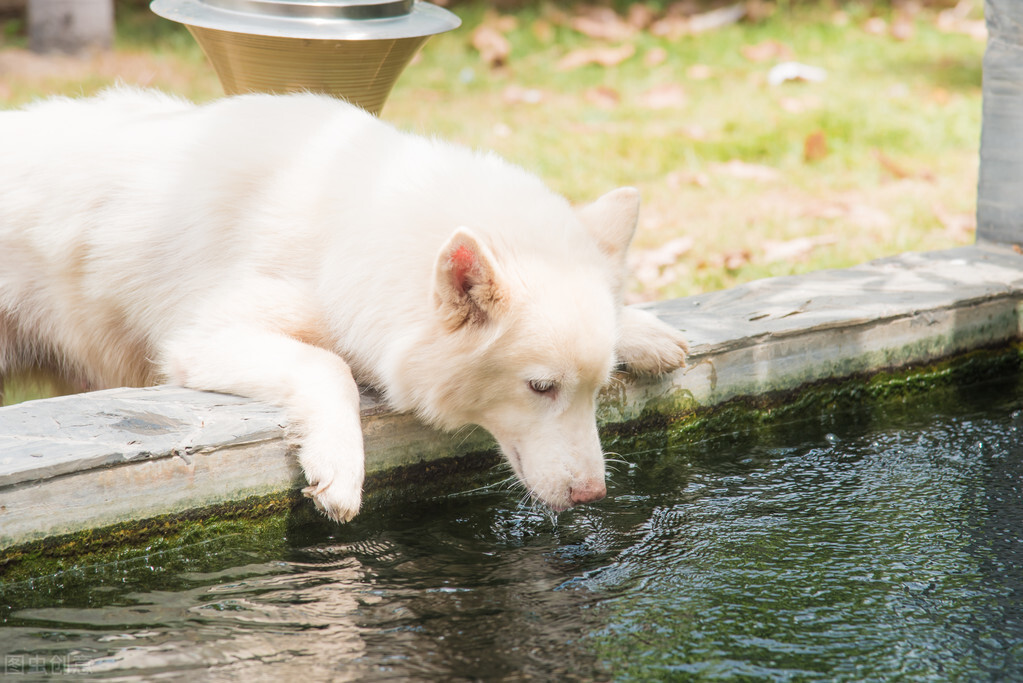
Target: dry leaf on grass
{"x":655,"y":56}
{"x":794,"y":71}
{"x":665,"y":255}
{"x":957,"y":20}
{"x":601,"y":23}
{"x":758,"y":10}
{"x":603,"y":97}
{"x":815,"y":147}
{"x":655,"y":268}
{"x":680,"y":19}
{"x":602,"y":56}
{"x":958,"y":226}
{"x":640,"y":16}
{"x":699,"y":72}
{"x":767,"y":50}
{"x":897,"y":170}
{"x":856,"y":213}
{"x":875,"y":26}
{"x":505,"y":23}
{"x":730,"y":260}
{"x":670,"y":27}
{"x":666,"y":96}
{"x":888,"y":164}
{"x":717,"y":18}
{"x":745,"y":171}
{"x":903,"y":29}
{"x":543,"y":30}
{"x":493,"y":47}
{"x":798,"y":249}
{"x":678,"y":179}
{"x":840,"y":18}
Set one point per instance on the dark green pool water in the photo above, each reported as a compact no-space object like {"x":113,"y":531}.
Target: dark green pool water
{"x":877,"y":545}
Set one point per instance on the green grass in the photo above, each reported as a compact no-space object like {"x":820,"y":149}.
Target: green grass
{"x":901,"y":119}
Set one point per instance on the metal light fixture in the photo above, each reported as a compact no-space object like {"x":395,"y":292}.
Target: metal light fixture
{"x":354,"y":49}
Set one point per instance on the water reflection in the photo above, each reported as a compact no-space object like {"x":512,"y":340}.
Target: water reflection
{"x":855,"y":549}
{"x":296,"y":622}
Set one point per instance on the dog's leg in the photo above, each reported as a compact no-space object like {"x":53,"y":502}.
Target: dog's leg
{"x":314,"y":386}
{"x":648,"y":345}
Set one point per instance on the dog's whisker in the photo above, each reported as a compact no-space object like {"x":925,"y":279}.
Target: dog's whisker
{"x":469,"y":431}
{"x":506,"y":483}
{"x":502,"y":467}
{"x":485,"y":487}
{"x":526,"y":501}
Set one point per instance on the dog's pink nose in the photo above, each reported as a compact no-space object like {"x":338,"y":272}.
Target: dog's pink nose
{"x":587,"y":492}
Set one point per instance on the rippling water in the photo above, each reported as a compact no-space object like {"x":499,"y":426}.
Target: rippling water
{"x":855,"y":547}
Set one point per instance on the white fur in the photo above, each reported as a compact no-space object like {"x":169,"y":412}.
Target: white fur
{"x":285,"y":248}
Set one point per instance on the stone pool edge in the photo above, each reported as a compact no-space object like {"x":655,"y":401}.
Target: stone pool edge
{"x":283,"y":518}
{"x":80,"y":463}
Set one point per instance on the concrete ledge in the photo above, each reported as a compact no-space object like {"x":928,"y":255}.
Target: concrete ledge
{"x":87,"y":461}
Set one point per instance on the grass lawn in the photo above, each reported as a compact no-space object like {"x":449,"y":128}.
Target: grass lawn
{"x":741,"y":178}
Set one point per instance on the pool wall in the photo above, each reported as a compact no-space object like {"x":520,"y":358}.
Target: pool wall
{"x":92,"y":461}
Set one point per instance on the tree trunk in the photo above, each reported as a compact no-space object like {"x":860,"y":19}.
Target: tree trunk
{"x":70,"y":25}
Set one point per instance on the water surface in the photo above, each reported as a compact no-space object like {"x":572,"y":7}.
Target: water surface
{"x":842,"y":547}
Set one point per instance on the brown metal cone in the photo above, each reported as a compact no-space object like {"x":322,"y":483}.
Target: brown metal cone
{"x":360,"y":71}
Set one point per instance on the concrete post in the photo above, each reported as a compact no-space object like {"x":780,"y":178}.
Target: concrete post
{"x":1000,"y":191}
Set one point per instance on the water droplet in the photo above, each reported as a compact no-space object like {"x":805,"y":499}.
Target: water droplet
{"x":831,"y":439}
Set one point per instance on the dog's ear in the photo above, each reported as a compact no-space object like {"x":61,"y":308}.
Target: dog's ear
{"x":467,"y":287}
{"x":612,"y":219}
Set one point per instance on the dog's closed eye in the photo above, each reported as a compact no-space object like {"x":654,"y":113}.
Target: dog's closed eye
{"x":543,"y":386}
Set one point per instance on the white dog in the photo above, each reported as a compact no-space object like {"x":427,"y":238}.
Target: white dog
{"x":287,"y":247}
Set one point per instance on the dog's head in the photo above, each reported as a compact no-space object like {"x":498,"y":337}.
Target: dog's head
{"x":528,"y":335}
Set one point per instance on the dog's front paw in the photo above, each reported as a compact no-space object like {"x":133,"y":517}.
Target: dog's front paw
{"x":338,"y":500}
{"x":648,"y":345}
{"x":332,"y":460}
